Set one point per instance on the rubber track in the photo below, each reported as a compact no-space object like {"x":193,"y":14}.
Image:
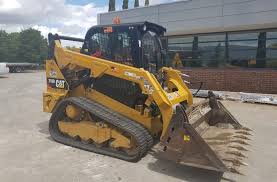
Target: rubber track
{"x":131,"y":127}
{"x":149,"y":138}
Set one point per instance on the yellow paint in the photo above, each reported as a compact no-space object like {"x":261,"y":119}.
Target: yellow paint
{"x":152,"y":124}
{"x":177,"y":62}
{"x":97,"y":132}
{"x":52,"y":96}
{"x":72,"y":112}
{"x":186,"y":138}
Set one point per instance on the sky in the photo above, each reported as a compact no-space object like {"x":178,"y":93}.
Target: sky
{"x":65,"y":17}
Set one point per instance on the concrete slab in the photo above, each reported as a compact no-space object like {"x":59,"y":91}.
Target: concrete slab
{"x":27,"y":152}
{"x":240,"y":96}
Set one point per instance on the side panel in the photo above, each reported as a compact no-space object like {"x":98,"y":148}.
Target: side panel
{"x":154,"y":125}
{"x":123,"y":91}
{"x":57,"y":87}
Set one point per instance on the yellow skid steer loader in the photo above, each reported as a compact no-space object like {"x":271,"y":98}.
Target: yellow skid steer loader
{"x":117,"y":96}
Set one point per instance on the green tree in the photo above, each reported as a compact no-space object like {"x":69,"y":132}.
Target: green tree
{"x":9,"y":45}
{"x":13,"y":46}
{"x":27,"y":46}
{"x":111,"y":5}
{"x":33,"y":46}
{"x":125,"y":4}
{"x":136,"y":3}
{"x":4,"y":49}
{"x":146,"y":3}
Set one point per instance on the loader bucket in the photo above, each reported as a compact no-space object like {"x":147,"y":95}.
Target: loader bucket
{"x":206,"y":136}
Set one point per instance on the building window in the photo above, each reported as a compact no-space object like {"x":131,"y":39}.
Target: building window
{"x":231,"y":50}
{"x":180,"y":49}
{"x":242,"y":49}
{"x":271,"y":50}
{"x":211,"y":51}
{"x":199,"y":50}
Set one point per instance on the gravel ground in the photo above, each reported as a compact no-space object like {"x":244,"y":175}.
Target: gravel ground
{"x":27,"y":152}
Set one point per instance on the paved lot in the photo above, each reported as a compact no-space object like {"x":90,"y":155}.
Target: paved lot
{"x":27,"y":153}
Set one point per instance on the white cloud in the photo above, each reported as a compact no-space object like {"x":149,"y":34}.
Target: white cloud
{"x":11,"y":28}
{"x":7,"y":5}
{"x":48,"y":16}
{"x":45,"y":30}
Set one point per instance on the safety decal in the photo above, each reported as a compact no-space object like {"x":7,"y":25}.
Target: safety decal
{"x":53,"y":73}
{"x":186,"y":138}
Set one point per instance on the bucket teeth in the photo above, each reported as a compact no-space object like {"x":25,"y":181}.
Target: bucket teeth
{"x":242,"y":137}
{"x":235,"y":162}
{"x":238,"y":147}
{"x":234,"y":170}
{"x":240,"y":142}
{"x":244,"y":132}
{"x":237,"y":153}
{"x":246,"y":129}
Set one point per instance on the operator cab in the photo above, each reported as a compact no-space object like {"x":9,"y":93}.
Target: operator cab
{"x":135,"y":44}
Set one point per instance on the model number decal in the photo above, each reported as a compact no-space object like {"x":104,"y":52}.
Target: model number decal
{"x":57,"y":83}
{"x":133,"y":75}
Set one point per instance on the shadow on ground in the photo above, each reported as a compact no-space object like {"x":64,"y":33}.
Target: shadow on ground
{"x":165,"y":167}
{"x":1,"y":77}
{"x":185,"y":173}
{"x":43,"y":127}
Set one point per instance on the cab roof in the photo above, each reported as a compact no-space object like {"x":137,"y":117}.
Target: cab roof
{"x":138,"y":25}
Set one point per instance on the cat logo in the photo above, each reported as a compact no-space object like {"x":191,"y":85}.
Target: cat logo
{"x":57,"y":83}
{"x":60,"y":84}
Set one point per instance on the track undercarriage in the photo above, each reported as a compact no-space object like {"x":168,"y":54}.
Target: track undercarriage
{"x":99,"y":131}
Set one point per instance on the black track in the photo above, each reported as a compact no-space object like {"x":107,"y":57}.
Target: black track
{"x":143,"y":139}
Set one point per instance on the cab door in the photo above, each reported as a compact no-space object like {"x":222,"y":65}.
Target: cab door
{"x":151,"y":52}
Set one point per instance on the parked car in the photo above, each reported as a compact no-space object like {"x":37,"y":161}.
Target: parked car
{"x":20,"y":67}
{"x":4,"y":69}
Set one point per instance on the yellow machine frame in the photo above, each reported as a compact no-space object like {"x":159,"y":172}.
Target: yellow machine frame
{"x":177,"y":92}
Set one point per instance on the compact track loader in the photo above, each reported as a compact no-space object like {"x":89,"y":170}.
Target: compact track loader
{"x":117,"y":96}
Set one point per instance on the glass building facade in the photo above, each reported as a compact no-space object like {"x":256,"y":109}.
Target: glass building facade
{"x":244,"y":49}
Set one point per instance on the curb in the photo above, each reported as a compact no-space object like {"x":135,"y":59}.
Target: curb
{"x":240,"y":96}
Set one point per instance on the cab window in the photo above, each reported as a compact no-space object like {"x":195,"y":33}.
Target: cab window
{"x":118,"y":46}
{"x":151,"y":52}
